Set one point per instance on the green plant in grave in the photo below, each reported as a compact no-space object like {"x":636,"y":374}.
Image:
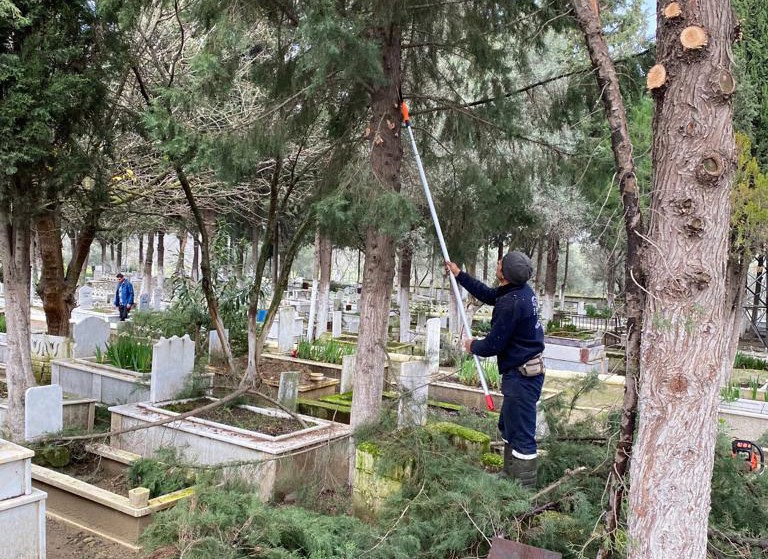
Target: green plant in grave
{"x":127,"y":353}
{"x":730,"y":392}
{"x":324,"y":351}
{"x":3,"y":329}
{"x":743,"y":361}
{"x":754,"y":384}
{"x":467,"y":373}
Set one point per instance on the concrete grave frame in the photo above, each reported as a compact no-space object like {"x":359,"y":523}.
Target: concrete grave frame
{"x":96,"y":510}
{"x":276,"y":464}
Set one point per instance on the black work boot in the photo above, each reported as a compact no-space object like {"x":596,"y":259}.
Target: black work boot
{"x":506,"y":472}
{"x":522,"y":470}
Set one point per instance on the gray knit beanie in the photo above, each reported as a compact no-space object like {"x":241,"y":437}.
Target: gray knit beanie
{"x":516,"y":267}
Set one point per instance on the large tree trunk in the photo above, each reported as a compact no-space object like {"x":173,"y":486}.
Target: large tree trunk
{"x":324,"y":253}
{"x":205,"y":268}
{"x":386,"y":154}
{"x":539,"y":264}
{"x":404,"y":296}
{"x":180,"y":268}
{"x":275,"y":254}
{"x":119,"y":256}
{"x":141,"y":251}
{"x":195,"y":275}
{"x":550,"y":280}
{"x":57,"y":288}
{"x":254,"y":335}
{"x":254,"y":247}
{"x":685,"y":338}
{"x":586,"y":12}
{"x":735,"y":291}
{"x":104,"y":265}
{"x":146,"y":285}
{"x":565,"y":274}
{"x":485,"y":262}
{"x":15,"y":236}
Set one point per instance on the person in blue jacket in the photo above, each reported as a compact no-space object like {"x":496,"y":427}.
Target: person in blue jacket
{"x":123,"y":296}
{"x":516,"y":339}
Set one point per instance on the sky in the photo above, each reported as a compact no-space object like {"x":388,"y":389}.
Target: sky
{"x":649,"y":6}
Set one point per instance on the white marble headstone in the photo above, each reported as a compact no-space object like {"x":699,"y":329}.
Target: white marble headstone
{"x":215,"y":349}
{"x":88,"y":334}
{"x":414,"y":388}
{"x":336,"y":332}
{"x":285,"y":329}
{"x":432,"y":345}
{"x":43,"y":411}
{"x":172,"y":362}
{"x":85,"y":297}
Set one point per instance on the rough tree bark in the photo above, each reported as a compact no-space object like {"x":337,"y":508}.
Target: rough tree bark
{"x":119,"y":256}
{"x":685,"y":335}
{"x":324,"y":253}
{"x":254,"y":247}
{"x":404,"y":296}
{"x":550,"y":279}
{"x":195,"y":273}
{"x":610,"y":280}
{"x":15,"y":236}
{"x":57,"y":287}
{"x":386,"y":153}
{"x":588,"y":17}
{"x":141,"y":252}
{"x":104,"y":265}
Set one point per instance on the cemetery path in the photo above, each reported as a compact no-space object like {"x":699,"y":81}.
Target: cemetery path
{"x":63,"y":542}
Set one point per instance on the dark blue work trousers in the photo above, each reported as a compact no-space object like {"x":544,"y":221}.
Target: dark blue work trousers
{"x":517,"y":421}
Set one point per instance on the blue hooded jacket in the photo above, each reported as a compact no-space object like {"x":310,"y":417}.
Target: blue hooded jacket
{"x":124,"y":294}
{"x":516,"y":333}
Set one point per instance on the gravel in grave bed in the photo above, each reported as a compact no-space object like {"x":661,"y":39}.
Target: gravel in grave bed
{"x":239,"y":417}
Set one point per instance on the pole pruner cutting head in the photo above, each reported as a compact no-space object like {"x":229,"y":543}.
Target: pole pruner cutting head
{"x":754,"y":460}
{"x":404,"y":113}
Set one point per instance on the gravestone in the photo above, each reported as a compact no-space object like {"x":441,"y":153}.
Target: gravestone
{"x":506,"y":549}
{"x":581,"y":308}
{"x":144,"y":301}
{"x":336,"y":331}
{"x":85,"y":297}
{"x":421,"y":320}
{"x":414,"y":388}
{"x":347,"y":373}
{"x":89,"y":334}
{"x":98,"y":272}
{"x":432,"y":345}
{"x":444,"y":322}
{"x":352,"y":323}
{"x":285,"y":329}
{"x":288,"y":392}
{"x":44,"y":411}
{"x":215,"y":349}
{"x":157,"y":298}
{"x":172,"y":362}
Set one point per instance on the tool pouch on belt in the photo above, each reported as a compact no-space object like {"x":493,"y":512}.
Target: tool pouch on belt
{"x":533,"y":367}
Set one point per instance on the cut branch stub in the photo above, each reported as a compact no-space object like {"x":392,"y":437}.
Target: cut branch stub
{"x":672,"y":10}
{"x":726,"y":83}
{"x":657,"y":77}
{"x":694,"y":38}
{"x":710,"y":168}
{"x":694,"y":227}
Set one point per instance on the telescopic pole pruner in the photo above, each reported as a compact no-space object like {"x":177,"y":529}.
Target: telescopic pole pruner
{"x":441,"y":239}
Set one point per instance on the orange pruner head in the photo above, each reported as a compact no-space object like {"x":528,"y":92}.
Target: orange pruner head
{"x":404,"y":112}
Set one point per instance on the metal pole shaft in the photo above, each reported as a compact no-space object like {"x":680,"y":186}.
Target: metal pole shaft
{"x":444,"y":248}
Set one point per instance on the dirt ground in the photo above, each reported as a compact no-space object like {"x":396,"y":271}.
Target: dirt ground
{"x":63,"y":542}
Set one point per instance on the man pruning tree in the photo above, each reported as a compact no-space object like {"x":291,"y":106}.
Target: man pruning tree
{"x":517,"y":340}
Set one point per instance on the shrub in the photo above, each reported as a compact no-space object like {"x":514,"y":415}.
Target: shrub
{"x":161,"y":476}
{"x":467,"y":373}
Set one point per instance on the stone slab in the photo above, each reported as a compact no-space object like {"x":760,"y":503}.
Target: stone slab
{"x":505,"y":549}
{"x":15,"y":463}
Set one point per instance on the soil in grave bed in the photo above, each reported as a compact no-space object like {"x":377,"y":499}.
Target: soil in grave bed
{"x":240,"y":417}
{"x":3,"y":390}
{"x":90,"y":469}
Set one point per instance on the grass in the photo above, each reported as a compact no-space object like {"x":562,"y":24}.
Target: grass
{"x":742,"y":361}
{"x":127,"y":353}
